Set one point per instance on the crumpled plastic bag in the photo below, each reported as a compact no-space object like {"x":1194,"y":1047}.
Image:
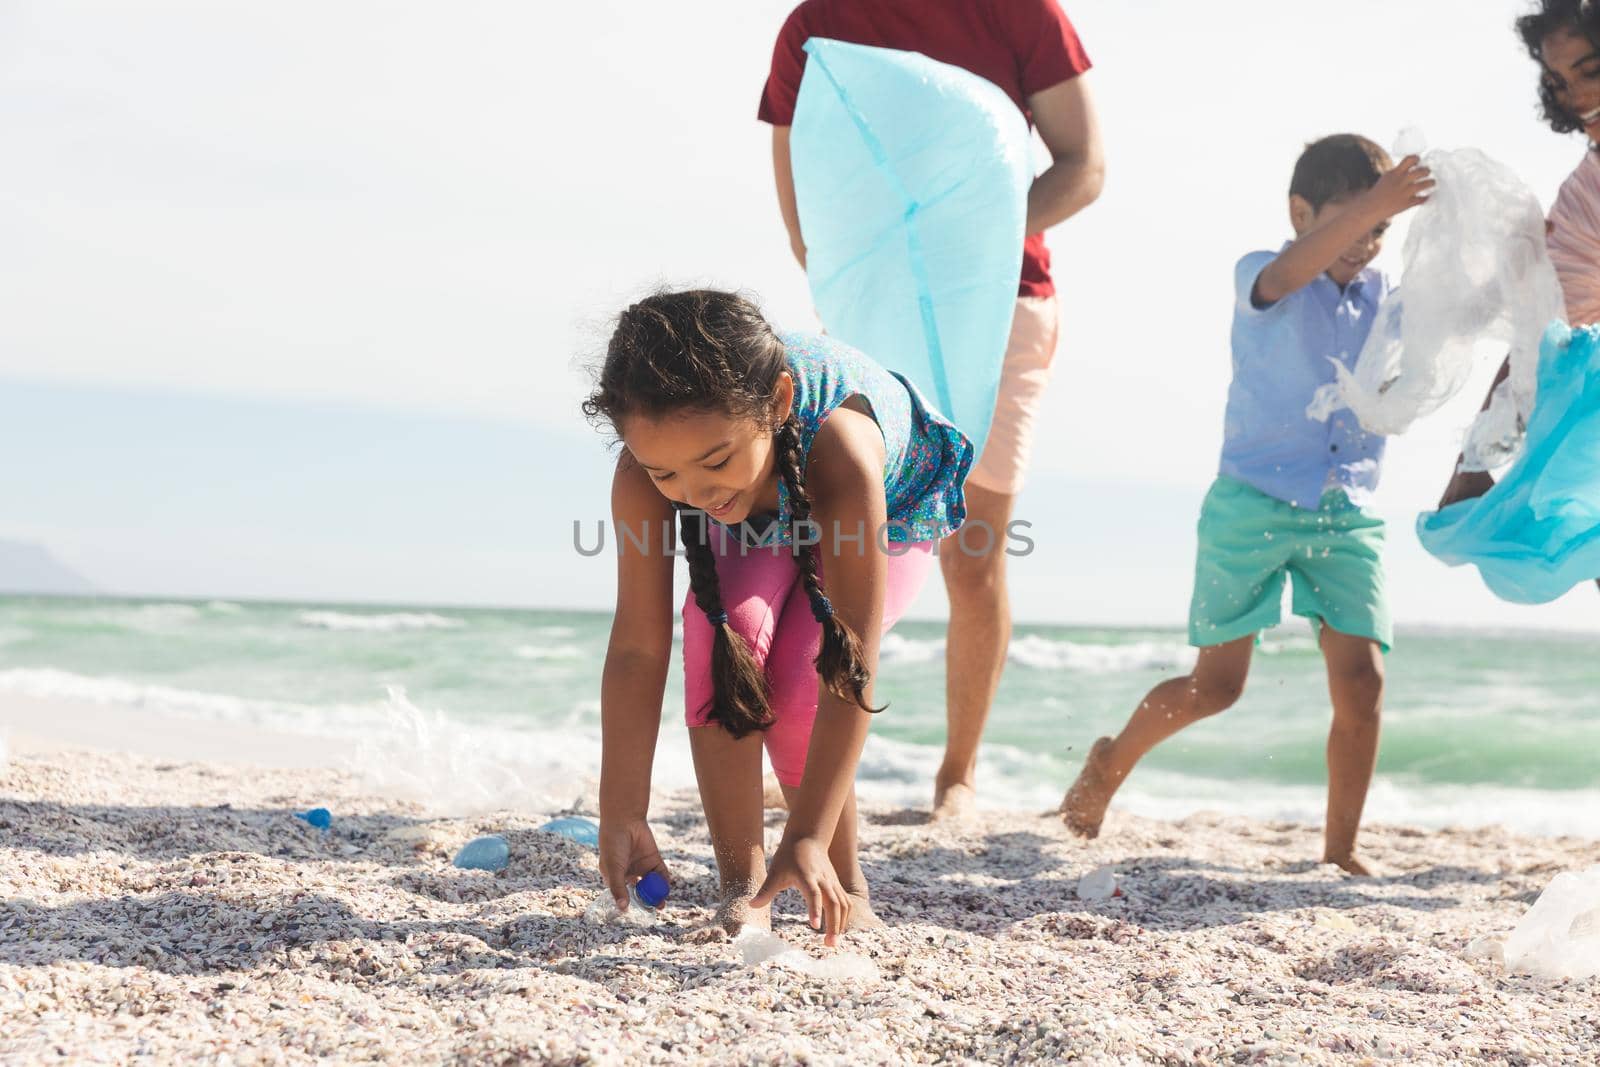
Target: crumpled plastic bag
{"x":758,"y":946}
{"x":1477,"y":281}
{"x":1560,"y":935}
{"x":1536,"y":534}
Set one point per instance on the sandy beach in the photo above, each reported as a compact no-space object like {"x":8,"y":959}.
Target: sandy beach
{"x":176,"y":909}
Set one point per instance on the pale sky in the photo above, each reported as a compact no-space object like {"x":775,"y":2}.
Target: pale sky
{"x":410,"y":222}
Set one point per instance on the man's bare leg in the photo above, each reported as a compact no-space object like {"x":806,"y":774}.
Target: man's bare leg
{"x":974,"y":565}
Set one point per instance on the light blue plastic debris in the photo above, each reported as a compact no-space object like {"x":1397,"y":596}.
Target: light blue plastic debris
{"x":1536,"y":534}
{"x":484,"y":854}
{"x":321,"y":818}
{"x":911,"y":178}
{"x":575,"y":828}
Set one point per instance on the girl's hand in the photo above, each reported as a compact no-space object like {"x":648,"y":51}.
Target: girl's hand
{"x":627,"y":853}
{"x":803,"y":864}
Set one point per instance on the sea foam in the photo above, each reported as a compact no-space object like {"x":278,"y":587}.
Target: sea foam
{"x":1051,"y":654}
{"x":382,"y":623}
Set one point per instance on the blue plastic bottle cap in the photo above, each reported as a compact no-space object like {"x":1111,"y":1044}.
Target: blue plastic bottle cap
{"x":652,"y":889}
{"x":321,"y":818}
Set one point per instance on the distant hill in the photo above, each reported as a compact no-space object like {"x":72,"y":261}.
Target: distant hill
{"x":26,"y":568}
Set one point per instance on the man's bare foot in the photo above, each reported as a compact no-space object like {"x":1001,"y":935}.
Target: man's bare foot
{"x":733,"y":915}
{"x":1083,"y":809}
{"x":1353,"y":864}
{"x":772,"y":798}
{"x":954,"y":801}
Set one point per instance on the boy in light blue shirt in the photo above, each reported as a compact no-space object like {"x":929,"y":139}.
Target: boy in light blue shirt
{"x":1288,"y":503}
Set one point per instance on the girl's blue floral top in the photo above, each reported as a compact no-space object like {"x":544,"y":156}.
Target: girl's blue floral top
{"x":926,"y":458}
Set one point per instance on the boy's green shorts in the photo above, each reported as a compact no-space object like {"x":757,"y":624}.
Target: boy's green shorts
{"x":1249,"y":541}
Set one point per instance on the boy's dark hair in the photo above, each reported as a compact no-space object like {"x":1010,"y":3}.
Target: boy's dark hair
{"x":1337,"y":166}
{"x":706,"y":350}
{"x":1550,"y":17}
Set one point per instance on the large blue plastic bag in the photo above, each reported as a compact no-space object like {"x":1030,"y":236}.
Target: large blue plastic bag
{"x":911,"y":178}
{"x":1536,"y":534}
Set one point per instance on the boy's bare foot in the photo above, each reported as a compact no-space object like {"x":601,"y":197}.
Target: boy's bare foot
{"x":733,"y":914}
{"x":1083,"y":809}
{"x":953,"y":801}
{"x":1353,"y":864}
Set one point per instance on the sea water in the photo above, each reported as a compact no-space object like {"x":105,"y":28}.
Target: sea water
{"x":477,"y":709}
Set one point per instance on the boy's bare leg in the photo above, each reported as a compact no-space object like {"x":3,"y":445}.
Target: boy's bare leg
{"x":729,"y":775}
{"x":975,"y":644}
{"x":1214,"y":685}
{"x":1355,"y":684}
{"x":844,"y":854}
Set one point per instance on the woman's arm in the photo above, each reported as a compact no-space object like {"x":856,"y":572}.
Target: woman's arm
{"x":844,"y":478}
{"x":1469,"y":485}
{"x":635,"y":677}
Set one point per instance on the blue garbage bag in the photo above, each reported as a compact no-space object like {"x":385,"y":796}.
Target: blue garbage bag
{"x":911,"y":178}
{"x":1536,"y":534}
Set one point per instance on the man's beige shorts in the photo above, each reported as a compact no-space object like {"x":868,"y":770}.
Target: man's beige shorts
{"x":1029,"y":355}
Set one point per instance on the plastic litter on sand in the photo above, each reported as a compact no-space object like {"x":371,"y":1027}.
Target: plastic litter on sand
{"x":1099,"y":884}
{"x":1560,"y":935}
{"x":603,"y":911}
{"x":760,"y":946}
{"x":484,"y":854}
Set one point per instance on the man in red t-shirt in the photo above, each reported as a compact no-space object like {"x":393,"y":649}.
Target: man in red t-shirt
{"x":1030,"y":50}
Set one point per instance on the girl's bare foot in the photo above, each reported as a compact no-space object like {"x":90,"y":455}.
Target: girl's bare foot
{"x":1083,"y":809}
{"x":862,"y":917}
{"x":734,"y":913}
{"x":953,"y":801}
